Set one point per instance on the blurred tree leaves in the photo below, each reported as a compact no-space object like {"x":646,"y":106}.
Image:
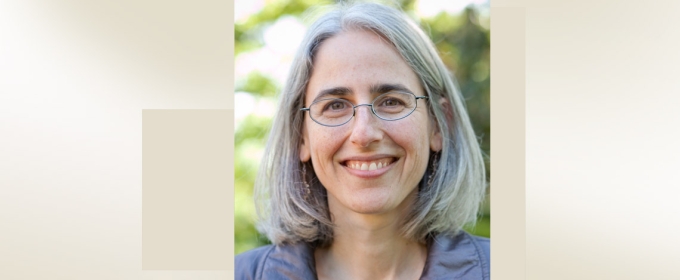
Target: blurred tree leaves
{"x":259,"y":84}
{"x":246,"y":34}
{"x":463,"y":45}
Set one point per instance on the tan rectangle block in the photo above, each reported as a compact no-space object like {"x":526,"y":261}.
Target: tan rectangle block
{"x":508,"y":143}
{"x":187,"y":189}
{"x":602,"y":141}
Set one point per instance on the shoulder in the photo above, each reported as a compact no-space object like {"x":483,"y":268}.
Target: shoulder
{"x":463,"y":256}
{"x":289,"y":261}
{"x":248,"y":265}
{"x":483,"y":247}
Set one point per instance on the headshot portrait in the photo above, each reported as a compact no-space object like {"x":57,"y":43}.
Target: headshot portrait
{"x":367,"y":156}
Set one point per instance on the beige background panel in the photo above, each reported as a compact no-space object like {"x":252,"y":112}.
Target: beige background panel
{"x":123,"y":54}
{"x":74,"y":79}
{"x":602,"y":153}
{"x":186,"y":173}
{"x":507,"y":143}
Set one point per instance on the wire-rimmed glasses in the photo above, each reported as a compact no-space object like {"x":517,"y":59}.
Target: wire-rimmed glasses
{"x":390,"y":106}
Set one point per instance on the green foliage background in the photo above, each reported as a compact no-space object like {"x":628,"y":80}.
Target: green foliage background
{"x":463,"y":44}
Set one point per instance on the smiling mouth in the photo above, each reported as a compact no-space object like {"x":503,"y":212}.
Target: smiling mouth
{"x":369,"y":165}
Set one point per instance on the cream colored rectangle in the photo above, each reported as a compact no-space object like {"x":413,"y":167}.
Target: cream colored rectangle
{"x":602,"y":140}
{"x":75,"y":77}
{"x":507,"y":143}
{"x":187,"y":179}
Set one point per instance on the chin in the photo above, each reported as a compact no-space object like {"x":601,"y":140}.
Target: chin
{"x":372,"y":201}
{"x":371,"y":204}
{"x":369,"y":209}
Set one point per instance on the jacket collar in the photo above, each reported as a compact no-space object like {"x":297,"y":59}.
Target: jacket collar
{"x":457,"y":257}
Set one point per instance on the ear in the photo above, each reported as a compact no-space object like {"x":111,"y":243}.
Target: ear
{"x":304,"y":145}
{"x":436,"y":139}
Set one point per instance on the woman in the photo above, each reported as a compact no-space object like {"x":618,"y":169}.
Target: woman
{"x":372,"y":166}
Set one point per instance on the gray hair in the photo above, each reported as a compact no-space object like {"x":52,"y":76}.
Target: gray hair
{"x":286,"y":214}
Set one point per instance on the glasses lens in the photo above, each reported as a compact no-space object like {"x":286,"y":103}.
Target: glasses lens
{"x":331,"y":111}
{"x":394,"y":105}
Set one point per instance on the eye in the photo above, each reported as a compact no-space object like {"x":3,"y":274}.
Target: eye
{"x":391,"y":102}
{"x":336,"y":105}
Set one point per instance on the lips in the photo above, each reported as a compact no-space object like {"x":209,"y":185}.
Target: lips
{"x":369,"y":164}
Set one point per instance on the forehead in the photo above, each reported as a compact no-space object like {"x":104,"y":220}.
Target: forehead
{"x":346,"y":44}
{"x":359,"y":60}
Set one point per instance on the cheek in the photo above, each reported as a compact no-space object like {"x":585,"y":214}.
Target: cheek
{"x":411,"y":135}
{"x":413,"y":138}
{"x":324,"y":143}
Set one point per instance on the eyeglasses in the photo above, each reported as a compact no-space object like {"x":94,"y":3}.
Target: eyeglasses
{"x":389,"y":106}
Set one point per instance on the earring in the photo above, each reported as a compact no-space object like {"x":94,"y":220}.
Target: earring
{"x":306,"y":190}
{"x":435,"y":162}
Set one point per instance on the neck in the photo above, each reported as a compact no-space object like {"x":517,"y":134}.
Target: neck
{"x":370,"y":247}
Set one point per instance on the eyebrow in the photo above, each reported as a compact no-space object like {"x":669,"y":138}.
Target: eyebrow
{"x":332,"y":93}
{"x":383,"y":88}
{"x":375,"y":89}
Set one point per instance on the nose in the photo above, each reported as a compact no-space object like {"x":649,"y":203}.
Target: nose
{"x":366,"y":127}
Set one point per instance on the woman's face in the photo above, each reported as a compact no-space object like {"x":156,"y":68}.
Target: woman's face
{"x":353,"y":65}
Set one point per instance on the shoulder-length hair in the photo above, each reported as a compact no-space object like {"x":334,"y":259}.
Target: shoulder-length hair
{"x":458,"y":181}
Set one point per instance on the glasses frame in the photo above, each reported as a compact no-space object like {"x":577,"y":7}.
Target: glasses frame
{"x":354,"y":109}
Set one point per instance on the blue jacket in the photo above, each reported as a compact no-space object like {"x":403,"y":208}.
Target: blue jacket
{"x":461,"y":257}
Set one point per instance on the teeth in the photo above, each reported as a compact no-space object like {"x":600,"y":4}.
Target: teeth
{"x":372,"y":166}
